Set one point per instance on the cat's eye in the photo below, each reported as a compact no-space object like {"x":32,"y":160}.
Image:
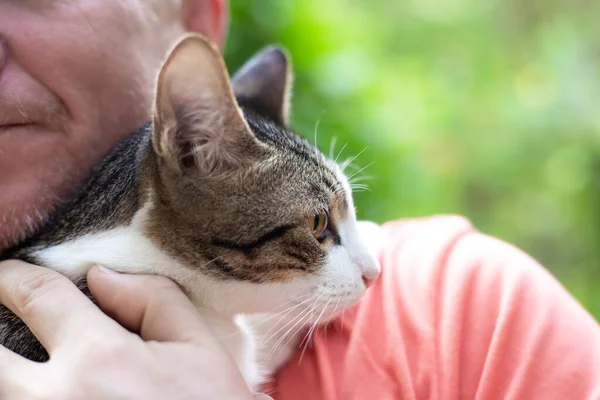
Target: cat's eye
{"x":317,"y":224}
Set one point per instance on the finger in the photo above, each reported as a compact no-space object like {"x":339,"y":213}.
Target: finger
{"x":53,"y":308}
{"x":153,"y":306}
{"x":10,"y":362}
{"x":20,"y":378}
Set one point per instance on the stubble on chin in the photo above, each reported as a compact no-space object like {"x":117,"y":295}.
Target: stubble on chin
{"x":24,"y":206}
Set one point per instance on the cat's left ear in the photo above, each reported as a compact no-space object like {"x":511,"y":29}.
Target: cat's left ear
{"x":198,"y":126}
{"x":264,"y":84}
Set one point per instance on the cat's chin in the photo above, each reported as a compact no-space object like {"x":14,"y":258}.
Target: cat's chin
{"x":240,"y":297}
{"x":279,"y":338}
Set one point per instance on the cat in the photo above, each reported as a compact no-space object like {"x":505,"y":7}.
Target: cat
{"x":218,"y":194}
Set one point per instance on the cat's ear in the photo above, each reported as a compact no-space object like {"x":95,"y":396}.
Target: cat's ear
{"x":264,"y":84}
{"x":197,"y":122}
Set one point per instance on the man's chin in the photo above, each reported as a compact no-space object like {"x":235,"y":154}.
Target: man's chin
{"x":19,"y":221}
{"x":12,"y":230}
{"x":36,"y":172}
{"x":25,"y":204}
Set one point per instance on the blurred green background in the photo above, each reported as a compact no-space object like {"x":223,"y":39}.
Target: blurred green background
{"x":489,"y":109}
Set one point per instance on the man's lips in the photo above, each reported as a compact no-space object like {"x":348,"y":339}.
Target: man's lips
{"x":15,"y":127}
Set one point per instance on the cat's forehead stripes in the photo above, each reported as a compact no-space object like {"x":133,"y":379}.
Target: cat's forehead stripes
{"x":290,"y":143}
{"x":284,"y":139}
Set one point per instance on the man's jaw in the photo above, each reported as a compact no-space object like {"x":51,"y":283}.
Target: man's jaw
{"x":15,"y":225}
{"x":31,"y":185}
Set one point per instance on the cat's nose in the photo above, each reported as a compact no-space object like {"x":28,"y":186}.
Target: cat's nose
{"x":369,"y":268}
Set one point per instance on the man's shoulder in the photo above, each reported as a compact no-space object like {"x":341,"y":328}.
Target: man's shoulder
{"x":443,"y":254}
{"x":434,"y":234}
{"x":444,"y":224}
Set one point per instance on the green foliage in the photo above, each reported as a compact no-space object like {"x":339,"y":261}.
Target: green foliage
{"x":490,"y":109}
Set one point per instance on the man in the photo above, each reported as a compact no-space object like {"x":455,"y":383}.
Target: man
{"x":455,"y":314}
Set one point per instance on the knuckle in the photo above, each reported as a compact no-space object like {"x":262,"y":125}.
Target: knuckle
{"x":99,"y":345}
{"x":107,"y":353}
{"x":30,"y":287}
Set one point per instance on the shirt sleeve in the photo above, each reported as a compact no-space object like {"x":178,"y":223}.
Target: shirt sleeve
{"x":455,"y":315}
{"x":505,"y":328}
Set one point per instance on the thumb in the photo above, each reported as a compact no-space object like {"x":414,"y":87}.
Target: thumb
{"x":153,"y":306}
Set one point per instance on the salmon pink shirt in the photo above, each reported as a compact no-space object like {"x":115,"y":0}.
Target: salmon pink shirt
{"x":455,"y":314}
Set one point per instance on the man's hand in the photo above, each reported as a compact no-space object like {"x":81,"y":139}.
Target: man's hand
{"x":174,"y":356}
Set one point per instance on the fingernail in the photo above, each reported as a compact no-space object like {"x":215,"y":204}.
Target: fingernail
{"x":105,"y":270}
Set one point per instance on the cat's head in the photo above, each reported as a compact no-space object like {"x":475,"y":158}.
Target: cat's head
{"x":259,"y":215}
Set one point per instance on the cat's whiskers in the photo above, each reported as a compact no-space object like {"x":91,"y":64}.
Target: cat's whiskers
{"x":339,"y":189}
{"x":361,"y":178}
{"x":339,"y":153}
{"x":301,"y":327}
{"x":298,"y":329}
{"x":300,"y":324}
{"x":359,"y":187}
{"x":361,"y":170}
{"x":348,"y":162}
{"x":318,"y":319}
{"x":336,"y":306}
{"x":292,"y":300}
{"x":309,"y":335}
{"x":316,"y":131}
{"x":271,"y":317}
{"x":286,"y":311}
{"x":312,"y":298}
{"x":333,"y":313}
{"x":332,"y":147}
{"x":354,"y":180}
